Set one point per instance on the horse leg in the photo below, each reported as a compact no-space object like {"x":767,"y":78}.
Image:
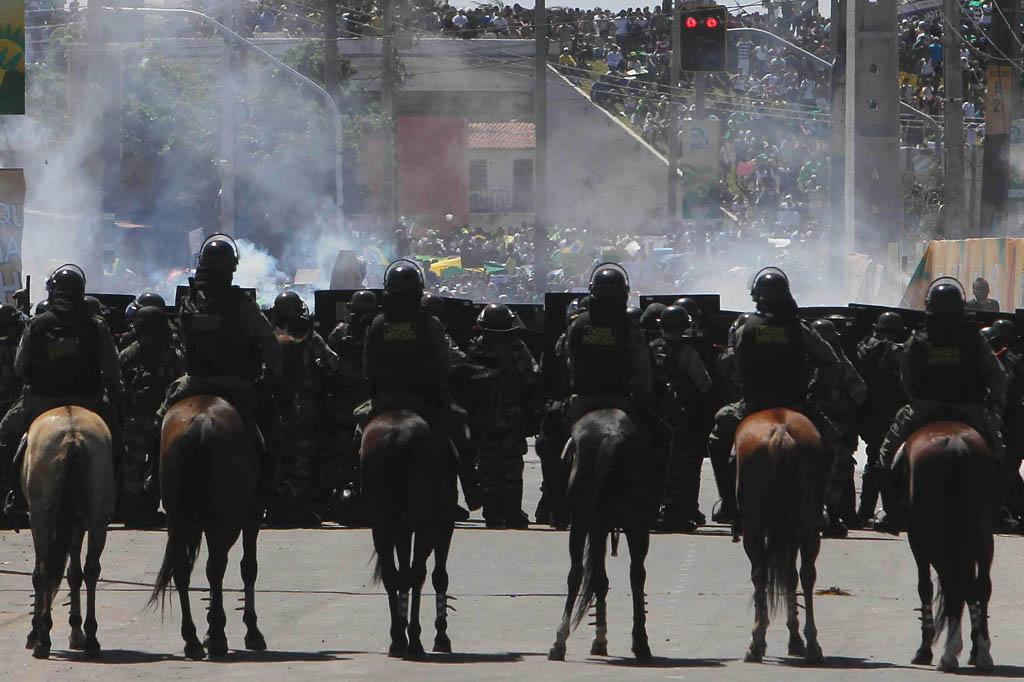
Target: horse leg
{"x":42,"y":622}
{"x":981,"y":651}
{"x":954,"y":637}
{"x":639,"y":541}
{"x":216,"y":642}
{"x":384,"y":546}
{"x":97,"y":541}
{"x":757,"y":553}
{"x":577,"y":540}
{"x":796,"y":642}
{"x":76,"y":642}
{"x":182,"y":579}
{"x":599,"y":581}
{"x":422,"y":546}
{"x":403,"y":551}
{"x":809,"y":546}
{"x":925,"y":592}
{"x":439,"y":578}
{"x":254,"y":640}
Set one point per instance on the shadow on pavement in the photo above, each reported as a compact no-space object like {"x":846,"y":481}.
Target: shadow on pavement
{"x":1000,"y":671}
{"x":664,"y":662}
{"x":843,"y":663}
{"x":113,"y":657}
{"x":244,"y":656}
{"x":459,"y":658}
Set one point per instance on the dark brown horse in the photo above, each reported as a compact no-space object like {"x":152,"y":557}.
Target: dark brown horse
{"x":953,"y":479}
{"x":409,"y":489}
{"x":68,"y":480}
{"x":209,"y":473}
{"x":609,"y":489}
{"x":780,"y":488}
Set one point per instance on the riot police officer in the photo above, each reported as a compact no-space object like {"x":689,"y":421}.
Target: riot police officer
{"x":229,"y":347}
{"x":683,"y":380}
{"x":66,"y":357}
{"x":500,"y":419}
{"x":148,"y":366}
{"x":775,"y":352}
{"x":879,"y":357}
{"x":949,"y":372}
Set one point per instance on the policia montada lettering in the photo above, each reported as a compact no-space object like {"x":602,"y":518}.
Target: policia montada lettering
{"x":305,"y":396}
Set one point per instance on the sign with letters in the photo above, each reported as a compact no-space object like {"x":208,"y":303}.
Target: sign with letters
{"x":12,"y":224}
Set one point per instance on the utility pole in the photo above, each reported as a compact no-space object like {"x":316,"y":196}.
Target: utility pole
{"x":953,"y":119}
{"x":837,"y":153}
{"x":1000,"y":101}
{"x":229,"y":121}
{"x":331,"y":47}
{"x":699,"y":85}
{"x":389,"y":169}
{"x":673,"y":120}
{"x":540,"y":155}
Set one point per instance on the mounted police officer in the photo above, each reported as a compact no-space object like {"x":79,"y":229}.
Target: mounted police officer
{"x":609,"y":361}
{"x":230,"y":350}
{"x":949,"y":372}
{"x":683,"y":378}
{"x":66,"y":357}
{"x":838,"y":391}
{"x":775,"y":352}
{"x":499,"y":420}
{"x":306,"y":360}
{"x":148,"y":366}
{"x":406,"y":360}
{"x":879,"y":358}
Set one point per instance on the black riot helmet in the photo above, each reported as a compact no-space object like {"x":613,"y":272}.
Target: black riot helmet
{"x":497,"y":317}
{"x":609,"y":281}
{"x":41,"y":307}
{"x":890,"y":322}
{"x":827,"y":330}
{"x":992,"y":337}
{"x":433,"y":304}
{"x":1005,"y":331}
{"x":219,"y":253}
{"x":649,"y":320}
{"x":288,"y":307}
{"x":633,"y":313}
{"x":675,"y":322}
{"x":403,"y":277}
{"x":945,"y":298}
{"x":94,"y":306}
{"x":734,"y":329}
{"x":151,"y":299}
{"x":770,"y":285}
{"x":67,"y":281}
{"x":363,"y":301}
{"x":572,"y":311}
{"x":150,"y":322}
{"x":692,"y":307}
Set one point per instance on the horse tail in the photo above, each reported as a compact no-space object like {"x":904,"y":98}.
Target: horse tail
{"x":608,"y":452}
{"x":956,"y":561}
{"x":782,"y":508}
{"x":183,"y":540}
{"x":64,"y":519}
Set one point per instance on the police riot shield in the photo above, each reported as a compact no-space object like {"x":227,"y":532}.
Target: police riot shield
{"x":555,"y":304}
{"x":113,"y":307}
{"x":865,"y":316}
{"x":706,"y":343}
{"x":841,"y":317}
{"x":330,"y":306}
{"x":460,"y":318}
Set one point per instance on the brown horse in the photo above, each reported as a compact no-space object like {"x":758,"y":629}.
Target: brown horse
{"x":409,"y":489}
{"x":609,"y":489}
{"x":68,"y":480}
{"x":953,"y":477}
{"x":209,"y":474}
{"x":780,"y":488}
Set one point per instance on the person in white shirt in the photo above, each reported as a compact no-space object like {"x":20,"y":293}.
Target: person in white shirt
{"x":969,"y":109}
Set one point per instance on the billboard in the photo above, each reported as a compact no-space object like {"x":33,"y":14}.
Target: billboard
{"x":12,"y":57}
{"x":12,"y":223}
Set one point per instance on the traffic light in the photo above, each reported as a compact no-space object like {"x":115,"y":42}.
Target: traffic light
{"x":702,"y":39}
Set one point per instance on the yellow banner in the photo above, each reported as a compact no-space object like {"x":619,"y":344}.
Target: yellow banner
{"x":999,"y":89}
{"x":12,"y":223}
{"x":12,"y":57}
{"x":997,"y":260}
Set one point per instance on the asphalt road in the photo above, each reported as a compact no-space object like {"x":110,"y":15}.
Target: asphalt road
{"x":324,"y":619}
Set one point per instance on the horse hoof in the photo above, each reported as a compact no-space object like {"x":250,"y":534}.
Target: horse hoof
{"x":642,"y":653}
{"x":397,"y":649}
{"x":41,"y":650}
{"x":983,"y":661}
{"x":415,"y":651}
{"x":92,"y":648}
{"x":922,"y":657}
{"x":30,"y":641}
{"x":557,"y":653}
{"x":599,"y":649}
{"x":796,"y":647}
{"x":254,"y":641}
{"x":216,"y":646}
{"x":442,"y":645}
{"x":948,"y":664}
{"x":76,"y":642}
{"x":194,"y":651}
{"x":753,"y":656}
{"x":814,"y":655}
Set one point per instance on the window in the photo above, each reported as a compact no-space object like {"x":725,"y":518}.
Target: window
{"x":478,"y":175}
{"x":522,"y":185}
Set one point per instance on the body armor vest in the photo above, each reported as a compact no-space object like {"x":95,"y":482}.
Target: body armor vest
{"x":948,"y":369}
{"x":773,"y":362}
{"x":600,"y":357}
{"x":402,"y":351}
{"x":215,"y":342}
{"x":65,"y":356}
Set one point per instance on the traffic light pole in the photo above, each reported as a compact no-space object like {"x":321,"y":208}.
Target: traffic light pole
{"x":673,"y":122}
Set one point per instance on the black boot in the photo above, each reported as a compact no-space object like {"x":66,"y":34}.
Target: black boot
{"x":15,"y":504}
{"x":891,"y":487}
{"x":868,"y":495}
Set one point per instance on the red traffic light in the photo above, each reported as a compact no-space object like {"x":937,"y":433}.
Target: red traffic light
{"x":691,"y":22}
{"x":711,"y":22}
